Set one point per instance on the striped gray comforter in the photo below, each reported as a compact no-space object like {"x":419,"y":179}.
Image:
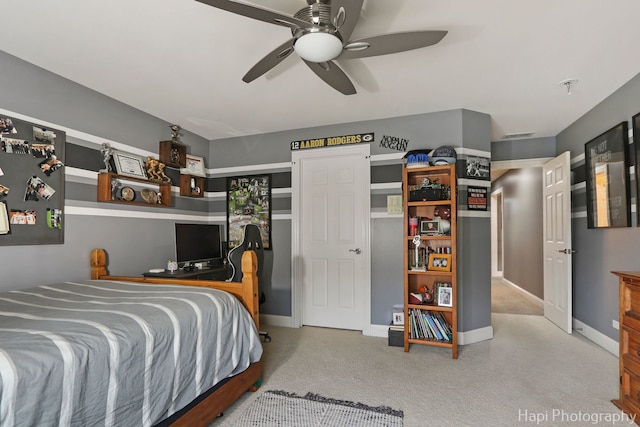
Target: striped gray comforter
{"x":115,"y":353}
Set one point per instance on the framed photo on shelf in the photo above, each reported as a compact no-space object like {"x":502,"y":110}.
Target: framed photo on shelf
{"x":607,"y":166}
{"x":445,"y":296}
{"x":194,"y":166}
{"x":439,"y":262}
{"x":430,"y":228}
{"x":128,"y":164}
{"x":398,"y":318}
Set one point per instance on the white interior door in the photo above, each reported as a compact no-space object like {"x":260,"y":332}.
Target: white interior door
{"x":557,"y":241}
{"x":332,"y":267}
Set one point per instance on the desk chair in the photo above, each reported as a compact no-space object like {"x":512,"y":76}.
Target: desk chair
{"x":252,"y":240}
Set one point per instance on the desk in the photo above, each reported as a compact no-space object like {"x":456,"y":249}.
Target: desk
{"x":216,"y":273}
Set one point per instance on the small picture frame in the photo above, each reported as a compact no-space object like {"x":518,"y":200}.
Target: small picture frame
{"x":439,"y":262}
{"x":128,"y":164}
{"x":398,"y":318}
{"x":445,"y":296}
{"x":430,"y":228}
{"x":194,"y":166}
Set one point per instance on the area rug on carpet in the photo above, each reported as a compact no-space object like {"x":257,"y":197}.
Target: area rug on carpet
{"x":280,"y":408}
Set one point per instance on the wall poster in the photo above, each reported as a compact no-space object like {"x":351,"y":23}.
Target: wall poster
{"x":635,"y":123}
{"x":31,"y":183}
{"x":607,"y":166}
{"x":248,"y":202}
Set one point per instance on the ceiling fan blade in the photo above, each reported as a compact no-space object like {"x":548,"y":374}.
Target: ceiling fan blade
{"x":258,"y":13}
{"x":272,"y":59}
{"x":390,"y":43}
{"x":333,"y":76}
{"x":344,"y":15}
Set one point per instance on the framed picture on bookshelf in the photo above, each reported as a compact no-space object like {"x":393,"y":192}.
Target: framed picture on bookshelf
{"x":445,"y":296}
{"x":439,"y":262}
{"x":430,"y":228}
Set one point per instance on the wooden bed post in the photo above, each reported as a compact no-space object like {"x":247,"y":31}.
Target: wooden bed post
{"x":250,"y":283}
{"x":98,"y":259}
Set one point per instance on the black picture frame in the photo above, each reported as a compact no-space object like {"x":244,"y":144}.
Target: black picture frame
{"x":607,"y":178}
{"x":635,"y":125}
{"x":248,"y":202}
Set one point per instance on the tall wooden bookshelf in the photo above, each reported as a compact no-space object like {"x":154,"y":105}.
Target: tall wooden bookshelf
{"x":429,"y":194}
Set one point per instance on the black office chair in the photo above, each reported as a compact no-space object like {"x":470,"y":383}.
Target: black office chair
{"x":252,"y":240}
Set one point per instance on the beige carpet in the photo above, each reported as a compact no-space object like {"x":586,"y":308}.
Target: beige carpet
{"x":529,"y":369}
{"x":505,"y":298}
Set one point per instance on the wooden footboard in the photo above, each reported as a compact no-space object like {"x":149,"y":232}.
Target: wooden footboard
{"x":208,"y":406}
{"x":246,"y":291}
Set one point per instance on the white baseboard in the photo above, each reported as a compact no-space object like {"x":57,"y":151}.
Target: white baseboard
{"x":382,"y":331}
{"x":276,"y":320}
{"x":524,"y":291}
{"x":609,"y":344}
{"x":475,"y":335}
{"x":464,"y":338}
{"x":379,"y":331}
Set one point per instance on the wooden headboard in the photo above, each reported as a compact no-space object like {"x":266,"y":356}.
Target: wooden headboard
{"x":246,"y":291}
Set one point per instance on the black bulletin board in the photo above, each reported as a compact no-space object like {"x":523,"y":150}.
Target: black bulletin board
{"x":32,"y":178}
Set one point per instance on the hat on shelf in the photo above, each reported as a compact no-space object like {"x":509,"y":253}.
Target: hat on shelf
{"x":443,"y":155}
{"x":416,"y":158}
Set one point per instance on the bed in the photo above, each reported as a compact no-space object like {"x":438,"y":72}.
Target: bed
{"x":128,"y":351}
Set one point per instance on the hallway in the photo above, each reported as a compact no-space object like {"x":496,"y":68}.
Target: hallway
{"x":507,"y":299}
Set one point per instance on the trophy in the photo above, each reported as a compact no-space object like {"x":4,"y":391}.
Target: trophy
{"x":107,"y":152}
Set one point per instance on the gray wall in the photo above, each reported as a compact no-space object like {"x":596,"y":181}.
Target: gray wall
{"x":600,"y":251}
{"x":517,"y":149}
{"x":522,"y":222}
{"x":459,"y":128}
{"x":139,"y":238}
{"x":134,"y":244}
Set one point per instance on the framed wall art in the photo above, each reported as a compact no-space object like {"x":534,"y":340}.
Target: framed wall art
{"x":607,"y":175}
{"x":635,"y":123}
{"x":248,"y":202}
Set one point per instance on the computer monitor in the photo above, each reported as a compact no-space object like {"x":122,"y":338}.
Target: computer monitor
{"x":198,"y":243}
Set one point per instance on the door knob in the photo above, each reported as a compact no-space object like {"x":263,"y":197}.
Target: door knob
{"x":566,"y":251}
{"x":356,"y":250}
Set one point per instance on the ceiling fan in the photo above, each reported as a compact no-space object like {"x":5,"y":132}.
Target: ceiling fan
{"x":321,"y":33}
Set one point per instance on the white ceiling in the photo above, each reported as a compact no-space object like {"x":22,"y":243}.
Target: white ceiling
{"x":183,"y":61}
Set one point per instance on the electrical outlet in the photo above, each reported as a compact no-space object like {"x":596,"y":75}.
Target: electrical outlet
{"x":615,"y":323}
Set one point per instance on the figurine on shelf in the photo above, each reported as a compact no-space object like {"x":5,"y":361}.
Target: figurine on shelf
{"x":107,"y":152}
{"x":115,"y":184}
{"x":155,"y":170}
{"x":175,"y":133}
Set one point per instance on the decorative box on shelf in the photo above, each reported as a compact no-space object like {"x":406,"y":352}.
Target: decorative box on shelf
{"x":173,"y":154}
{"x":191,"y":186}
{"x":116,"y":188}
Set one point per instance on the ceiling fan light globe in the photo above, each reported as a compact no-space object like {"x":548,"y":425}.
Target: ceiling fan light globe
{"x":318,"y":47}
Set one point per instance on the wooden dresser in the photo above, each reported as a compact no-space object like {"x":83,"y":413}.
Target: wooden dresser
{"x":629,"y":399}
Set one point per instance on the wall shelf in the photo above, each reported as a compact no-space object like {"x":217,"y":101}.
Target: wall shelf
{"x":106,"y":189}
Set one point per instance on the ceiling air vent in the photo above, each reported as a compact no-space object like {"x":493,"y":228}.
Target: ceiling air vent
{"x":518,"y":135}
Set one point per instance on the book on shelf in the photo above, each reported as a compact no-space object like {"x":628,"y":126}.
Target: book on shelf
{"x":429,"y":325}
